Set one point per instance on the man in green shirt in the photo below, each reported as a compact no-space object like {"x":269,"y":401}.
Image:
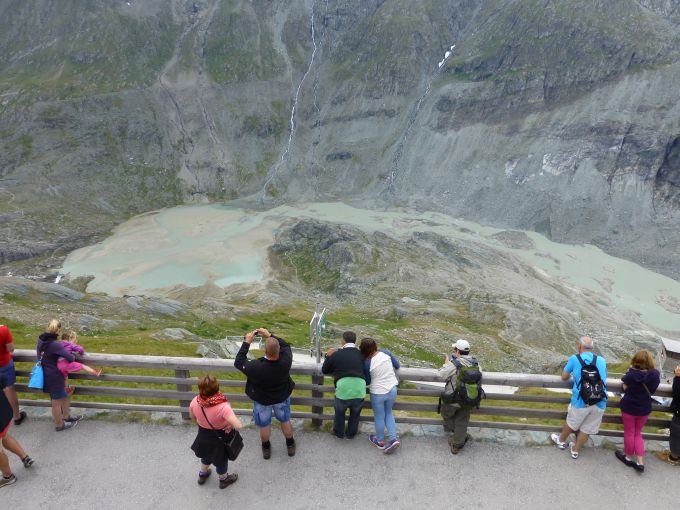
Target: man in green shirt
{"x":346,"y":365}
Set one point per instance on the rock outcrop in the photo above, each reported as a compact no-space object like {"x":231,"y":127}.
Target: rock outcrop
{"x":562,"y":117}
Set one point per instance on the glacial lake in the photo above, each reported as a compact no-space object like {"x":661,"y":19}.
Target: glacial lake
{"x":192,"y":245}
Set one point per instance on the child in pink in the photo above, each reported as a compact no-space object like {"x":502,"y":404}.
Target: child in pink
{"x":69,"y":340}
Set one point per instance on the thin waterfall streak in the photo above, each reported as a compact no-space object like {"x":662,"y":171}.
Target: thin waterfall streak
{"x":286,"y":152}
{"x":411,"y":121}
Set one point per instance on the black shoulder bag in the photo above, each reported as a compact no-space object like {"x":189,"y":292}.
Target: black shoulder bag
{"x":233,"y":442}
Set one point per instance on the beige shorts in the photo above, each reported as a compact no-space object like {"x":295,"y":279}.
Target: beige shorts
{"x":585,"y":419}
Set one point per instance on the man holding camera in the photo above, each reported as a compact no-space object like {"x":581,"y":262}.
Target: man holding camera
{"x":347,"y":368}
{"x":269,"y":385}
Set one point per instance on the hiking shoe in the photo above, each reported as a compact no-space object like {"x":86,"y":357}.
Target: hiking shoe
{"x":7,"y":481}
{"x":392,"y":446}
{"x":28,"y":462}
{"x":75,"y":418}
{"x":291,"y":449}
{"x":376,"y":442}
{"x":22,"y":416}
{"x":456,"y":448}
{"x":555,"y":438}
{"x":266,"y":450}
{"x":203,"y":476}
{"x":574,"y":455}
{"x":621,"y":456}
{"x":226,"y":482}
{"x":666,"y":457}
{"x":67,"y":425}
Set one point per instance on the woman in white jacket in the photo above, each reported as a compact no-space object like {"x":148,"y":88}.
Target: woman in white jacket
{"x":379,"y":370}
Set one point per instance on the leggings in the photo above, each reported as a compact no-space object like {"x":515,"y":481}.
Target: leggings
{"x":632,"y":434}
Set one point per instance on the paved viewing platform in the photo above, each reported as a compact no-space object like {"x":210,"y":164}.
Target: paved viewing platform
{"x":106,"y":464}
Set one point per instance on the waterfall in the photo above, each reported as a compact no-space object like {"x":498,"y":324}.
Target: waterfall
{"x":391,"y":178}
{"x":286,"y":151}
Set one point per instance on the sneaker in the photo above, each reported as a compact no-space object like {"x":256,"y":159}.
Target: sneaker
{"x":203,"y":476}
{"x":376,"y":442}
{"x":75,"y":418}
{"x":392,"y":446}
{"x":574,"y":455}
{"x":7,"y":481}
{"x":555,"y":438}
{"x":666,"y":457}
{"x":22,"y":416}
{"x":266,"y":450}
{"x":621,"y":456}
{"x":67,"y":425}
{"x":291,"y":449}
{"x":226,"y":482}
{"x":28,"y":462}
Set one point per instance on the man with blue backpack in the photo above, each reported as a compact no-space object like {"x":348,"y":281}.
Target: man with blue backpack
{"x":589,"y":397}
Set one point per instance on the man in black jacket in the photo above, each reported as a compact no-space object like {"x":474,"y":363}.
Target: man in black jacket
{"x":347,"y":368}
{"x":269,"y":386}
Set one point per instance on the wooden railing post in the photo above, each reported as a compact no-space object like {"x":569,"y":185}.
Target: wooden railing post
{"x":317,"y":379}
{"x":184,"y":374}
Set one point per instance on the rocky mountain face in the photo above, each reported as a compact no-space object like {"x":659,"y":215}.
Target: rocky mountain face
{"x":562,"y":117}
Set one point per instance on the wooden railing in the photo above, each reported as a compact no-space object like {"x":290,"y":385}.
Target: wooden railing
{"x":415,"y":404}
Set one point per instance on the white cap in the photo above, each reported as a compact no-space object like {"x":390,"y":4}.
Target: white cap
{"x":461,"y":345}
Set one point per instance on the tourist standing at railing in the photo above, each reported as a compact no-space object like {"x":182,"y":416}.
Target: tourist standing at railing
{"x":379,"y":371}
{"x":673,"y":456}
{"x":49,"y":350}
{"x":589,"y":397}
{"x":456,"y":415}
{"x":8,"y":442}
{"x":639,"y":384}
{"x":215,"y":419}
{"x":8,"y":375}
{"x":269,"y":385}
{"x":346,"y":365}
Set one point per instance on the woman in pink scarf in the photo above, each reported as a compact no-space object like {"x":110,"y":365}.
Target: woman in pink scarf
{"x":214,"y":417}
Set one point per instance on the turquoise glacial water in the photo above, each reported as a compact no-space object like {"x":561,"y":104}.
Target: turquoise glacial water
{"x":192,"y":245}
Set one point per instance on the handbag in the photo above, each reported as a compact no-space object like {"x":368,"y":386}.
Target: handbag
{"x":233,"y":442}
{"x":37,"y":378}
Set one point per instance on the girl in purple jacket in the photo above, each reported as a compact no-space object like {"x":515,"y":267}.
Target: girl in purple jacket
{"x":639,"y":384}
{"x":69,"y":340}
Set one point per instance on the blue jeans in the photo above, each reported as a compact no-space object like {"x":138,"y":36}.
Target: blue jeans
{"x":382,"y":414}
{"x":262,"y":415}
{"x":221,"y":470}
{"x":7,"y":375}
{"x":354,"y":405}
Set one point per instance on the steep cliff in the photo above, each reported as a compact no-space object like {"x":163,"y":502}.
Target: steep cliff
{"x":557,"y":116}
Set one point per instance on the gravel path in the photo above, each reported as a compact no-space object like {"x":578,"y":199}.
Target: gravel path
{"x":102,"y":465}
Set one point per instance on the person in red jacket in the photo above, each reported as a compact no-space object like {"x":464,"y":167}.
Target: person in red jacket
{"x":7,"y":373}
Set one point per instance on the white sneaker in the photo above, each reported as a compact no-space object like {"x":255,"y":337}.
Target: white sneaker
{"x":556,"y":439}
{"x":574,"y":455}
